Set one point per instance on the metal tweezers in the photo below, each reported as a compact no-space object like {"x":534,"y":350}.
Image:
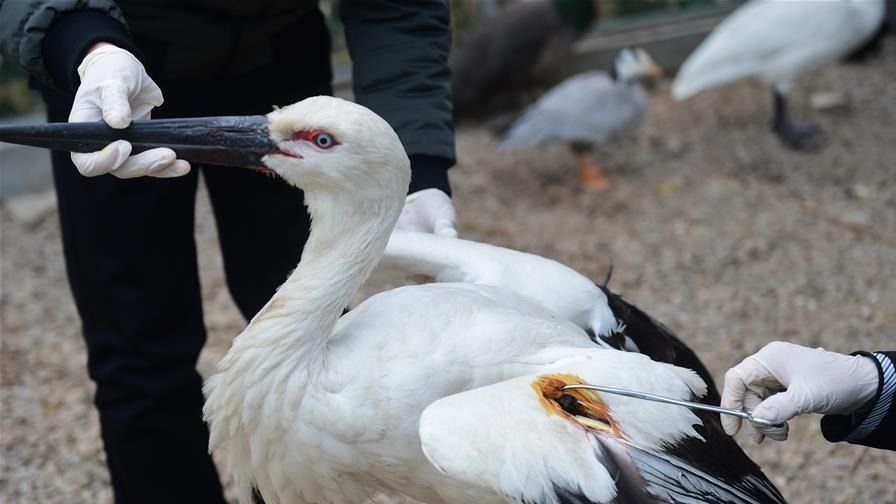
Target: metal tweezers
{"x":669,"y":400}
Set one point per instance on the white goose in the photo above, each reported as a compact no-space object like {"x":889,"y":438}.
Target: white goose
{"x":777,"y":42}
{"x":608,"y":319}
{"x":441,"y":392}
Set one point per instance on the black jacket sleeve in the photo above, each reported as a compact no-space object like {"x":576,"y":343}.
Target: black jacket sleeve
{"x":49,"y":38}
{"x":399,"y":52}
{"x":71,"y":35}
{"x":875,"y":424}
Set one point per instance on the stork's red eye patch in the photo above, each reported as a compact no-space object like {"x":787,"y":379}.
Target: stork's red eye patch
{"x":319,"y":138}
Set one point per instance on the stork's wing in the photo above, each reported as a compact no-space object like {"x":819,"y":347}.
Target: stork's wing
{"x":589,"y":108}
{"x":655,"y":340}
{"x":501,"y":439}
{"x":773,"y":39}
{"x":603,"y":313}
{"x":547,"y":282}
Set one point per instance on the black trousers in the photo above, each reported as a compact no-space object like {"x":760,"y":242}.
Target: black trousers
{"x":131,"y":260}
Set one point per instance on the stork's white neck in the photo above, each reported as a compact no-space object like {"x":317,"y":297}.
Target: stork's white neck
{"x":348,"y":236}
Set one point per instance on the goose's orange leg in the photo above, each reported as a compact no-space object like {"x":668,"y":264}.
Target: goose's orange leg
{"x":591,"y":175}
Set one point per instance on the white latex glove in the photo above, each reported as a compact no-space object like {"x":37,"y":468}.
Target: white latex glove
{"x":808,"y":380}
{"x":429,"y":211}
{"x":116,"y":89}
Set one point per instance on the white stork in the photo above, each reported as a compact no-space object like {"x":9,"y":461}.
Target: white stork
{"x":440,"y":392}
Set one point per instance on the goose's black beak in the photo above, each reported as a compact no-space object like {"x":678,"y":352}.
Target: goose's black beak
{"x":229,"y":141}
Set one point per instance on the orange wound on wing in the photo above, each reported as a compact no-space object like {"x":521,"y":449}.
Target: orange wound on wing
{"x":553,"y":388}
{"x":583,"y":407}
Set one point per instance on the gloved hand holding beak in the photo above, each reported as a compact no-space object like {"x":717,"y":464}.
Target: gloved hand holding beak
{"x":116,"y":89}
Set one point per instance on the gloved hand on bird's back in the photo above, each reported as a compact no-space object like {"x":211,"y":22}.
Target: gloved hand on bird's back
{"x":429,"y":211}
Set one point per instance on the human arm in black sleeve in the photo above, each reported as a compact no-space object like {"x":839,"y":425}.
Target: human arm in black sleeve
{"x":874,"y":424}
{"x":49,"y":38}
{"x":399,"y":52}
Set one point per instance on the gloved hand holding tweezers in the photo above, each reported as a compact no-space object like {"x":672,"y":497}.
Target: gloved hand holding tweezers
{"x":807,"y":380}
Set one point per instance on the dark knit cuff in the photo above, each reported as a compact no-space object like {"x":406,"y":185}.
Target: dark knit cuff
{"x":429,"y":172}
{"x":69,"y":38}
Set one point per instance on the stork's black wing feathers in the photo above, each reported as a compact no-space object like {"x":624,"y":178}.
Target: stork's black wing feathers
{"x":692,"y":471}
{"x":656,"y":341}
{"x":734,"y":467}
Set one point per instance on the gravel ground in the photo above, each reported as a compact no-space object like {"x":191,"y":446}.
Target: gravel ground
{"x":711,"y":227}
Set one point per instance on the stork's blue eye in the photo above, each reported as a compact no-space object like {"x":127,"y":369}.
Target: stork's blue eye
{"x":323,"y":140}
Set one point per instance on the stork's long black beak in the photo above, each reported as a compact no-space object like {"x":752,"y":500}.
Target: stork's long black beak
{"x":229,"y":141}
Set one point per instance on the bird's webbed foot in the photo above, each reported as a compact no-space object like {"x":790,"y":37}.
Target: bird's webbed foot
{"x":802,"y":136}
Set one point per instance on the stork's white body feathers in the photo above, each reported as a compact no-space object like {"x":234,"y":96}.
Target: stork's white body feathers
{"x":352,"y":427}
{"x":778,"y":41}
{"x":610,"y":320}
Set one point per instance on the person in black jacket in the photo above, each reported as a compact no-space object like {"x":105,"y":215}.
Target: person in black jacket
{"x":128,"y":234}
{"x":857,"y":393}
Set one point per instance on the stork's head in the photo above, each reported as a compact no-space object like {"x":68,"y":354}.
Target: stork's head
{"x":328,"y":144}
{"x":636,"y":64}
